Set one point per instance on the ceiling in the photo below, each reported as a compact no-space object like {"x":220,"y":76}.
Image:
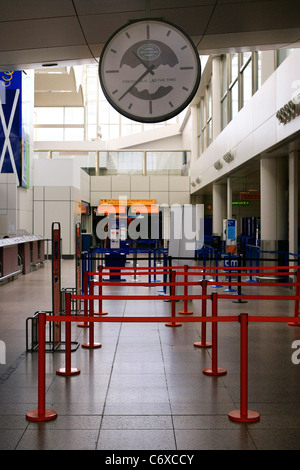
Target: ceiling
{"x":39,"y":33}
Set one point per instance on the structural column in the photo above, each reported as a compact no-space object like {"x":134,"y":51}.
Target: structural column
{"x":229,"y":198}
{"x":219,"y":208}
{"x":274,"y":201}
{"x":293,"y":202}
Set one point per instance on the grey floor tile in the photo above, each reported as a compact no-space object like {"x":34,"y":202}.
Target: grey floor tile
{"x":58,"y":439}
{"x":211,"y":439}
{"x":136,"y":440}
{"x":137,"y":422}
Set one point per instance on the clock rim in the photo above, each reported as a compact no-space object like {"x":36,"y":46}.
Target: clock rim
{"x":170,"y":114}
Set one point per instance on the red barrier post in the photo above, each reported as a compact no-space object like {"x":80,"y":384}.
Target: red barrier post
{"x":173,"y":309}
{"x":41,"y":413}
{"x":244,"y":415}
{"x":91,"y":344}
{"x":296,"y":311}
{"x":85,"y":324}
{"x":100,"y":269}
{"x":68,"y":370}
{"x":214,"y":370}
{"x":203,"y":343}
{"x":185,"y":311}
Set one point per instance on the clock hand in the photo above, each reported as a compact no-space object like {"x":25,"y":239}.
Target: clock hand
{"x":137,"y":81}
{"x":144,"y":63}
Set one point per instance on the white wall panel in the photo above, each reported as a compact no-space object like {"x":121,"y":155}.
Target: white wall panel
{"x":59,"y":212}
{"x":120,"y":183}
{"x":54,"y":193}
{"x":179,"y":183}
{"x":139,"y":183}
{"x":161,"y":197}
{"x":38,"y":218}
{"x":179,"y":198}
{"x":101,"y":183}
{"x":159,"y":183}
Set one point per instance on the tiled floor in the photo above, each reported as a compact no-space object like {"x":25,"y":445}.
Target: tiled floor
{"x":145,"y":388}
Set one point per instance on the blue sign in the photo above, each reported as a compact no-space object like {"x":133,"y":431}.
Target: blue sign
{"x":13,"y":143}
{"x":231,"y":229}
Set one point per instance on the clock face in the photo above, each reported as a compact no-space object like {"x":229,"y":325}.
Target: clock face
{"x":149,"y":70}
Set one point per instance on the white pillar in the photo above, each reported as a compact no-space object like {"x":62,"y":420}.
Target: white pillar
{"x":293,"y":202}
{"x":273,"y":205}
{"x":219,"y":208}
{"x":229,"y":198}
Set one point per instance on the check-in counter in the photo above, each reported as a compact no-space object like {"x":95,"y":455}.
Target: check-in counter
{"x":19,"y":255}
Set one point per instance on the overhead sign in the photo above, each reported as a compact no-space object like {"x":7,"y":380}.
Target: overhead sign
{"x":250,"y":196}
{"x":128,"y":202}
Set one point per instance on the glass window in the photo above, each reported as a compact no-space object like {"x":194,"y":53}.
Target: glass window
{"x":91,"y":131}
{"x":247,"y":83}
{"x":49,"y":115}
{"x":258,"y":68}
{"x":234,"y":93}
{"x":224,"y":75}
{"x":245,"y":56}
{"x":46,"y":133}
{"x":234,"y":70}
{"x":282,"y":54}
{"x":74,"y":115}
{"x":224,"y":105}
{"x":76,"y":134}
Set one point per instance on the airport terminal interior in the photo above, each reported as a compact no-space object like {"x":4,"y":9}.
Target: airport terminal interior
{"x":149,"y":226}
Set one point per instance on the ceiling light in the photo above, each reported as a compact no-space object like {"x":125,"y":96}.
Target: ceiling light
{"x":218,"y":165}
{"x":228,"y":157}
{"x":50,"y":65}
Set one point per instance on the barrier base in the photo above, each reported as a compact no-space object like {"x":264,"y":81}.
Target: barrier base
{"x":252,"y":416}
{"x":91,"y":346}
{"x":173,"y":324}
{"x":100,"y":313}
{"x":33,"y":415}
{"x":188,"y":312}
{"x":200,"y":344}
{"x":219,"y":371}
{"x":65,"y":372}
{"x":239,"y":301}
{"x":83,"y":325}
{"x":294,"y":323}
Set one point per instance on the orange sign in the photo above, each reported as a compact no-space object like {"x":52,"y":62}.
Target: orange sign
{"x":128,"y":202}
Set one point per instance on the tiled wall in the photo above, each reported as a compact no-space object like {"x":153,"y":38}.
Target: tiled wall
{"x":8,"y":203}
{"x":164,"y":189}
{"x":57,"y":204}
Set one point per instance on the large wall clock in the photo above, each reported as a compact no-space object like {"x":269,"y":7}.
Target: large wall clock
{"x":149,"y":70}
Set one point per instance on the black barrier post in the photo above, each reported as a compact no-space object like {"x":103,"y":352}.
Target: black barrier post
{"x":239,"y":290}
{"x":77,"y":264}
{"x":56,"y":282}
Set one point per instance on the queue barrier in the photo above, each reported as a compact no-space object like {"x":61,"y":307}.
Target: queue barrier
{"x":242,"y":415}
{"x":187,"y":271}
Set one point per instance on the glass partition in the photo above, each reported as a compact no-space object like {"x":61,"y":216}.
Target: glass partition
{"x":138,"y":162}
